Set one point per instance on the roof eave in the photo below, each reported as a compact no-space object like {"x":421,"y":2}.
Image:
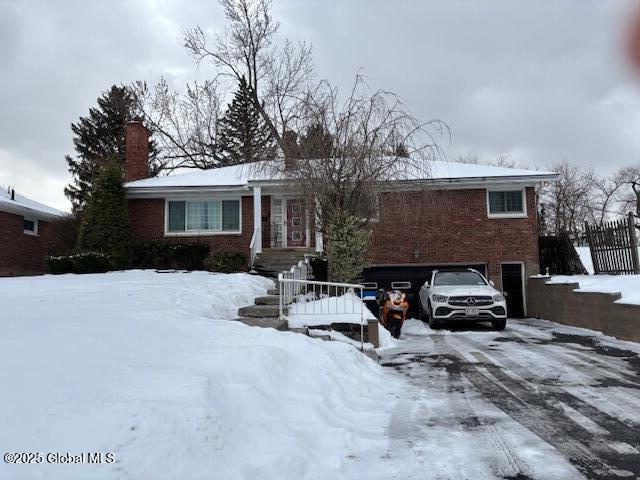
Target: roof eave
{"x":154,"y":192}
{"x":31,"y":212}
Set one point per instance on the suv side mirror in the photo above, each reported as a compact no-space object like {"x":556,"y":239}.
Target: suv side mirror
{"x":491,"y":283}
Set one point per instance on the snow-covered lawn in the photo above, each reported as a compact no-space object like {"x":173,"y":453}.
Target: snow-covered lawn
{"x":146,"y":366}
{"x":627,"y":285}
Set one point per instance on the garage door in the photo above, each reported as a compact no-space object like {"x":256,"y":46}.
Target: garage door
{"x":407,"y":278}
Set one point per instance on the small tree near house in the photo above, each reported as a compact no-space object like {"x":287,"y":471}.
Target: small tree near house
{"x":347,"y":244}
{"x":105,"y":224}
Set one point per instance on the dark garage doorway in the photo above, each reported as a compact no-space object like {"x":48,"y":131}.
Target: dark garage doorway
{"x":513,"y":288}
{"x":408,"y":278}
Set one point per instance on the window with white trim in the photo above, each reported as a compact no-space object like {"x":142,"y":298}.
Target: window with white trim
{"x":506,"y":202}
{"x":221,"y":216}
{"x":30,"y":226}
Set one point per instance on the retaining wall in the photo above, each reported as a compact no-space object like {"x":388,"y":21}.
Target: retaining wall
{"x":596,"y":311}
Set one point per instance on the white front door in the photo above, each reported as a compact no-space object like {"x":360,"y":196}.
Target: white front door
{"x":277,"y":223}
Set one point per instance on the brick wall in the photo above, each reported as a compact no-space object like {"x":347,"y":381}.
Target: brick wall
{"x":147,"y":219}
{"x":20,"y":253}
{"x":451,"y":226}
{"x":444,"y":226}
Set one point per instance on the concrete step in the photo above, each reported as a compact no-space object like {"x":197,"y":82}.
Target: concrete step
{"x":273,"y":291}
{"x":259,"y":311}
{"x":268,"y":300}
{"x":264,"y":322}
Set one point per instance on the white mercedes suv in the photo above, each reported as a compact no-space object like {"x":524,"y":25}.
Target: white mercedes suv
{"x":462,"y":295}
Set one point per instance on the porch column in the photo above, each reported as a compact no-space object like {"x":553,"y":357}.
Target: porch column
{"x":319,"y":239}
{"x":257,"y":219}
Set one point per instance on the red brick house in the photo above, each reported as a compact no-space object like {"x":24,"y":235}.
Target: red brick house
{"x":26,"y":233}
{"x":461,"y":215}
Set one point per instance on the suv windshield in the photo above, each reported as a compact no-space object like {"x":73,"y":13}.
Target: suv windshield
{"x":458,"y":278}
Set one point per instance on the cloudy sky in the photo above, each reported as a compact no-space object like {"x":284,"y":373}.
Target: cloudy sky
{"x":535,"y":80}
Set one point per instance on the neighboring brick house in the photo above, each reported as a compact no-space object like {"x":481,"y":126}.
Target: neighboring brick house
{"x":462,"y":215}
{"x":26,"y":233}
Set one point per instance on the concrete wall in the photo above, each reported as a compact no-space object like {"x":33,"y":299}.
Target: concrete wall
{"x":596,"y":311}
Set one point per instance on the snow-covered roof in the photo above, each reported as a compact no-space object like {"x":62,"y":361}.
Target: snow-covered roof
{"x":22,"y":205}
{"x":243,"y":175}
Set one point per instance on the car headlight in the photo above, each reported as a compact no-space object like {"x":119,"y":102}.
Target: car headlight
{"x":440,"y":298}
{"x":498,"y":298}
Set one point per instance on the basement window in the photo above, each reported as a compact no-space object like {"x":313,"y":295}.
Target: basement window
{"x":506,"y":203}
{"x":30,"y":226}
{"x":203,"y":217}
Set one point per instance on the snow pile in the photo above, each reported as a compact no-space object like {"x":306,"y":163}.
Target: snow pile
{"x":627,"y":285}
{"x":347,"y":308}
{"x":144,"y":365}
{"x":585,"y":257}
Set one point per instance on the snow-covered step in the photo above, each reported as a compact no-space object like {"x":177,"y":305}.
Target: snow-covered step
{"x":268,"y":300}
{"x":264,"y":322}
{"x":259,"y":311}
{"x":273,"y":291}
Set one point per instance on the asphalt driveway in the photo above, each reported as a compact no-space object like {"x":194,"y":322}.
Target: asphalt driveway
{"x":536,"y":401}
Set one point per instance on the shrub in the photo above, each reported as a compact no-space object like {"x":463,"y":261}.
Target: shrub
{"x":59,"y":265}
{"x":162,"y":255}
{"x":190,"y":256}
{"x":227,"y":261}
{"x":89,"y":262}
{"x":346,"y":250}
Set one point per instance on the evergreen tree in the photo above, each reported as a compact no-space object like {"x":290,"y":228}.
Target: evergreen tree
{"x":101,"y":135}
{"x":105,"y":223}
{"x":244,"y":136}
{"x":316,"y":143}
{"x":347,"y":244}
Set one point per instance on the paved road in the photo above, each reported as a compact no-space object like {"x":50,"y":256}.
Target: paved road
{"x":536,"y":401}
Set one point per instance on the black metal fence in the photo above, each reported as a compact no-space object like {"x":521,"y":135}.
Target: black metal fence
{"x":558,"y":256}
{"x":614,"y":247}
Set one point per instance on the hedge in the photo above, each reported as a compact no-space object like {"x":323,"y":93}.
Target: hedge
{"x":88,"y":262}
{"x":164,"y":255}
{"x":228,"y":261}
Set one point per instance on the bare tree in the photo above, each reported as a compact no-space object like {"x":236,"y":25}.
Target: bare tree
{"x":358,"y":152}
{"x":567,"y":201}
{"x":629,"y":178}
{"x":602,"y":200}
{"x":278,"y":75}
{"x":187,"y":125}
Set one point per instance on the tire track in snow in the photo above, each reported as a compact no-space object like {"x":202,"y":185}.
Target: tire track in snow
{"x":538,"y":408}
{"x":511,"y":466}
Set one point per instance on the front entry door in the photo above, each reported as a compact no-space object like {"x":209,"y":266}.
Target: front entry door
{"x":513,"y":289}
{"x":296,"y":223}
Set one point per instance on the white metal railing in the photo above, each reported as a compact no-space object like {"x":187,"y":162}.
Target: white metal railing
{"x":315,"y":301}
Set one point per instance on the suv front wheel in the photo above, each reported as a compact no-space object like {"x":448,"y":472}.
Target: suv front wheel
{"x":499,"y":324}
{"x":433,"y":323}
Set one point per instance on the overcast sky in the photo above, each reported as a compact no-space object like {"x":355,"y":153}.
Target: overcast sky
{"x":535,"y":80}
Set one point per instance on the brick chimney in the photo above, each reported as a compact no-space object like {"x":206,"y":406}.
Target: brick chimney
{"x":137,"y":151}
{"x":290,"y":149}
